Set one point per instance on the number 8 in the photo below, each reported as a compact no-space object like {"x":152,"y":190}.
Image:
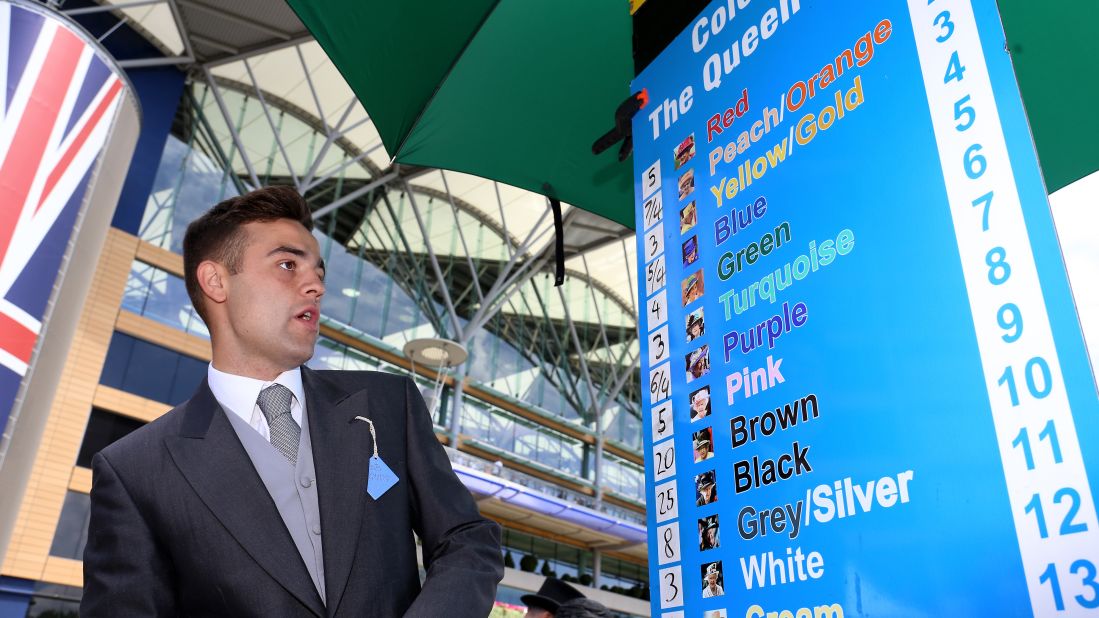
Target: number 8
{"x":997,"y":262}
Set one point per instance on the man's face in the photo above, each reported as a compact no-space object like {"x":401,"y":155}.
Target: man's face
{"x":711,"y":536}
{"x":538,"y":612}
{"x":272,"y":302}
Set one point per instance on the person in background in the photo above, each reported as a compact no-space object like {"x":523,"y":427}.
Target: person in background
{"x":549,"y":598}
{"x":582,"y":608}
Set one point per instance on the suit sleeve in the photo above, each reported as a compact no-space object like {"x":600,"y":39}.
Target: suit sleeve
{"x":461,"y":548}
{"x":126,"y":573}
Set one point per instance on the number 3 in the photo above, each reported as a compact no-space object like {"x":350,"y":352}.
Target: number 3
{"x":942,"y":20}
{"x":671,"y":584}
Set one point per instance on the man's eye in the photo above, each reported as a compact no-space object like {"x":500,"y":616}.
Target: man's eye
{"x":286,"y":265}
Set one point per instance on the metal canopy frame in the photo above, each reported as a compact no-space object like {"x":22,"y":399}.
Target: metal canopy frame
{"x":491,"y":286}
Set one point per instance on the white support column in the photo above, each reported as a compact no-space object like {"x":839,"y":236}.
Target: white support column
{"x":232,"y":126}
{"x":595,"y":408}
{"x":270,"y":122}
{"x":435,"y":264}
{"x":596,"y":567}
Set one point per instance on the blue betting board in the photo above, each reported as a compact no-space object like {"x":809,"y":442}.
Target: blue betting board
{"x":868,"y":391}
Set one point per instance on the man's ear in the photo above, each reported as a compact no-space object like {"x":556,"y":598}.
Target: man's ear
{"x":212,"y":278}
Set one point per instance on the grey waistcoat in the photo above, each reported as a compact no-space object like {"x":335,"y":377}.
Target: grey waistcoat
{"x":294,"y":491}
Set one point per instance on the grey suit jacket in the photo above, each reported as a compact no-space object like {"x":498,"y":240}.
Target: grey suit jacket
{"x":181,"y":524}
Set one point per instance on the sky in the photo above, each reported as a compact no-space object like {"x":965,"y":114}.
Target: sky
{"x":1076,"y":216}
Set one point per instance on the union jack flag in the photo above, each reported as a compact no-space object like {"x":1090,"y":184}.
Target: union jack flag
{"x":58,"y":99}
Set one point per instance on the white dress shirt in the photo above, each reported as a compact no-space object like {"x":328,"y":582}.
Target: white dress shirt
{"x":239,"y":395}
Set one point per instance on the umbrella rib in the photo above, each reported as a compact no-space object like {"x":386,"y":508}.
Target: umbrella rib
{"x":446,"y":76}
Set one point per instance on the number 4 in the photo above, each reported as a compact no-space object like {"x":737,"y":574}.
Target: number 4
{"x":954,"y":69}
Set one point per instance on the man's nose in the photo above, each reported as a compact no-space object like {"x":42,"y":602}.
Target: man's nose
{"x":315,"y":285}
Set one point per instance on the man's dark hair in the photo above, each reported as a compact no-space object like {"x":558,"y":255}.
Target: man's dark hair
{"x":217,"y":236}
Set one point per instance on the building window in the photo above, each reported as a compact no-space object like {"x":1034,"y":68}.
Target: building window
{"x":72,"y":529}
{"x":329,"y":354}
{"x":104,"y":428}
{"x":159,"y":295}
{"x":54,"y":601}
{"x":570,"y":563}
{"x":151,"y":371}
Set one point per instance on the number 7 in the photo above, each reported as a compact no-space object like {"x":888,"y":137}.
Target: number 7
{"x":987,"y":199}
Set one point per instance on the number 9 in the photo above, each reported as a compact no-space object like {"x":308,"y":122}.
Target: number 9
{"x":1012,"y":323}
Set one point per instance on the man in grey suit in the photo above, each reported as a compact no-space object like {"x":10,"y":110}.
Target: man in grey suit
{"x":277,"y":490}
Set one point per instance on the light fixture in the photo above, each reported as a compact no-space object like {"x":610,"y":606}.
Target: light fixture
{"x":438,"y":354}
{"x":350,"y":292}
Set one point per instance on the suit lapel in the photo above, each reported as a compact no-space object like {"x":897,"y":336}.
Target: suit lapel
{"x":209,"y":454}
{"x":340,"y":458}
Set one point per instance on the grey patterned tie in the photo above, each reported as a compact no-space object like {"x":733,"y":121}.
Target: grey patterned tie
{"x":274,"y":402}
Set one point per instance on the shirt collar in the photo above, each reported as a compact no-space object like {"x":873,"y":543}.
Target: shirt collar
{"x":238,"y":394}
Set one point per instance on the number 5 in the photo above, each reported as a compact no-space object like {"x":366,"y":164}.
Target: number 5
{"x":961,"y":110}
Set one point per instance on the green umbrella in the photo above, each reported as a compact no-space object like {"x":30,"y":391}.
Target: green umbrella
{"x":514,"y":91}
{"x":518,"y":90}
{"x":1053,"y":47}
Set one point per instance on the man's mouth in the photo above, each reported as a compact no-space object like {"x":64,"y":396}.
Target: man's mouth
{"x":308,"y":316}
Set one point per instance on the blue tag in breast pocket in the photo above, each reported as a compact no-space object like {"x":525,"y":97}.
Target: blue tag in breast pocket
{"x":380,"y":478}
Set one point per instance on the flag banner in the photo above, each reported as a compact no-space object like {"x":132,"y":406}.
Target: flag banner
{"x":59,"y":100}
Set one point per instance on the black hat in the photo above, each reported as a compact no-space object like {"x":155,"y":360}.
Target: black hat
{"x":582,"y":608}
{"x":551,"y":595}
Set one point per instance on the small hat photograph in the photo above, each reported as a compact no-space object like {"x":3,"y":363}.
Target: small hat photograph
{"x":712,"y":580}
{"x":686,"y":183}
{"x":703,"y":443}
{"x":709,"y":533}
{"x":705,"y":488}
{"x":685,"y":151}
{"x":698,"y":363}
{"x":693,"y":287}
{"x":696,"y":324}
{"x":690,"y":251}
{"x":700,"y":403}
{"x":688,"y":217}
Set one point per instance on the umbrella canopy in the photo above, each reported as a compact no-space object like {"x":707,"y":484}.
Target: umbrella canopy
{"x":1053,"y":47}
{"x":513,"y":90}
{"x":517,"y":91}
